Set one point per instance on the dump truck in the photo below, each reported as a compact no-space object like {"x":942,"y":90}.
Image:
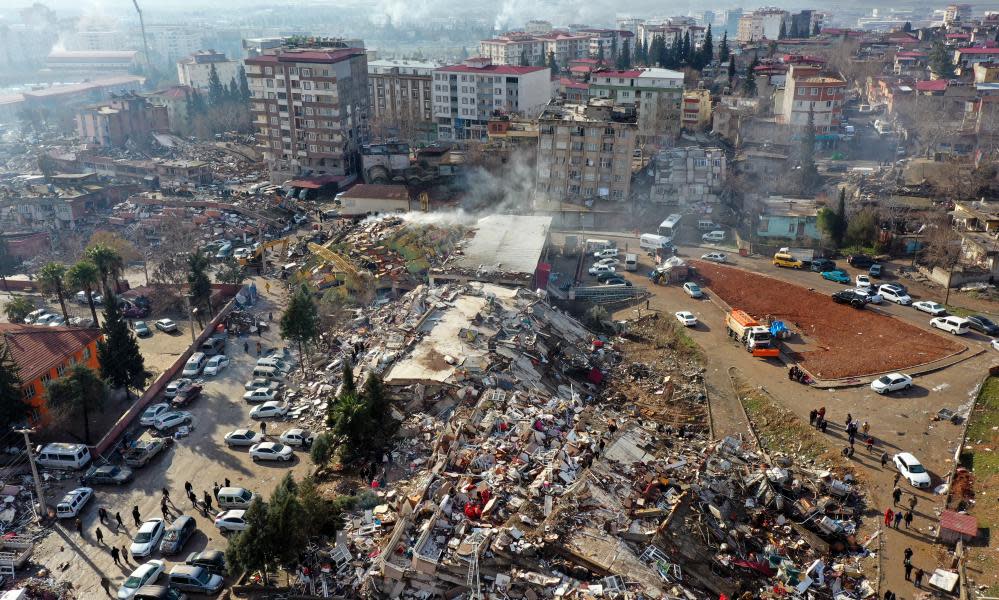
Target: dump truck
{"x":751,"y":334}
{"x":139,"y":452}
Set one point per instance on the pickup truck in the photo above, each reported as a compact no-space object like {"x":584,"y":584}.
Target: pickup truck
{"x":141,"y":451}
{"x":750,"y":333}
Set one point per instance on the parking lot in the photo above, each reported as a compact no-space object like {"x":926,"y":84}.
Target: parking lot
{"x":201,"y":459}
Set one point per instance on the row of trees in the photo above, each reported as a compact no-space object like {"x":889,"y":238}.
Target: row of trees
{"x":858,"y":230}
{"x":678,"y":53}
{"x":226,"y":107}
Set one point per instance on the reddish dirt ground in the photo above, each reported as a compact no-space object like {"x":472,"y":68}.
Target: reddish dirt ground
{"x":839,"y":341}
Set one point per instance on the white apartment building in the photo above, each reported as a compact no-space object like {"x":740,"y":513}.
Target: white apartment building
{"x":95,"y":41}
{"x":196,"y":70}
{"x":466,"y":95}
{"x":629,"y":24}
{"x":655,"y":93}
{"x":172,"y":42}
{"x":762,"y":23}
{"x":516,"y":47}
{"x":648,"y":31}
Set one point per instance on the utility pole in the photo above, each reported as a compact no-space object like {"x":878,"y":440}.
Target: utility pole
{"x":190,"y":315}
{"x":42,"y":509}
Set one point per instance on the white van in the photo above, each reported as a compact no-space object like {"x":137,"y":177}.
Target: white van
{"x":73,"y":502}
{"x":703,"y":225}
{"x":63,"y":456}
{"x":268,"y":372}
{"x":955,"y":325}
{"x":592,"y":245}
{"x":195,"y":364}
{"x":234,"y":497}
{"x":713,"y":236}
{"x":630,"y":262}
{"x":651,"y":241}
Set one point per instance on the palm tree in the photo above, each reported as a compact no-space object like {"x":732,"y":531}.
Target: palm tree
{"x":51,"y":277}
{"x":85,"y":275}
{"x":109,"y":264}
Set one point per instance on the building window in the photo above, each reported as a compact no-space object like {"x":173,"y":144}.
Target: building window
{"x":306,"y":72}
{"x":46,"y":378}
{"x":60,"y":370}
{"x":29,"y":392}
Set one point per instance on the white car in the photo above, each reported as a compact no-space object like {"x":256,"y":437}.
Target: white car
{"x":693,"y":290}
{"x":607,"y":262}
{"x":260,"y":382}
{"x":56,"y":322}
{"x":147,"y":538}
{"x":864,"y":282}
{"x":718,"y":257}
{"x":172,"y":419}
{"x":166,"y":325}
{"x":872,"y":296}
{"x":177,"y":386}
{"x":230,"y":520}
{"x":271,"y":451}
{"x":995,"y":344}
{"x":891,"y":382}
{"x":216,"y":364}
{"x":152,"y":413}
{"x":894,"y":294}
{"x":242,"y":437}
{"x":273,"y":361}
{"x":598,"y":269}
{"x":929,"y":307}
{"x":34,"y":315}
{"x":606,"y":253}
{"x":912,"y":470}
{"x":268,"y":410}
{"x":145,"y":574}
{"x":687,"y":319}
{"x":45,"y":319}
{"x":297,"y":437}
{"x":260,"y":395}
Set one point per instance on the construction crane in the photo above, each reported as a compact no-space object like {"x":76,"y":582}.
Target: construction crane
{"x":355,"y":279}
{"x":145,"y":44}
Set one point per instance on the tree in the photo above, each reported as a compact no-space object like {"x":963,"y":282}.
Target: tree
{"x":941,"y":61}
{"x":552,"y":63}
{"x":51,"y":278}
{"x":110,"y":266}
{"x":749,"y":83}
{"x":216,"y":91}
{"x":624,"y":58}
{"x":723,"y":50}
{"x":84,"y":275}
{"x":613,"y":52}
{"x":199,"y":286}
{"x":300,"y":321}
{"x":8,"y":263}
{"x":907,"y":28}
{"x":862,"y":229}
{"x":324,"y":517}
{"x":17,"y":308}
{"x":256,"y":547}
{"x":782,"y":34}
{"x":13,"y":408}
{"x":79,"y":392}
{"x":686,"y":52}
{"x":600,"y":52}
{"x":816,"y":29}
{"x":244,"y":85}
{"x":125,"y":249}
{"x":380,"y":411}
{"x":808,"y":172}
{"x":731,"y":69}
{"x":122,"y":365}
{"x":833,"y":224}
{"x":230,"y":272}
{"x":362,"y":420}
{"x":707,"y":49}
{"x":942,"y":250}
{"x":286,"y":521}
{"x":524,"y":61}
{"x":322,"y":449}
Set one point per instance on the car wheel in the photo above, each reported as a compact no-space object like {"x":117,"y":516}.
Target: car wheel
{"x":256,"y":459}
{"x":286,"y":458}
{"x":907,"y":386}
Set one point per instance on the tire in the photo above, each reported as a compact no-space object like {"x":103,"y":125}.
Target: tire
{"x":286,"y":459}
{"x":256,"y":459}
{"x":908,"y":386}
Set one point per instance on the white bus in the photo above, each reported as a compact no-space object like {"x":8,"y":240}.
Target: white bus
{"x":670,"y":227}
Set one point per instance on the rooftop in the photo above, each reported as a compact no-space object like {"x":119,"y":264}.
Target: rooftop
{"x":506,"y":243}
{"x":496,"y":69}
{"x":308,"y":56}
{"x":378,"y":191}
{"x":36,"y":349}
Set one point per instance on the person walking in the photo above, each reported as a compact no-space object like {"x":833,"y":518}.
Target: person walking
{"x":102,"y":514}
{"x":866,"y":428}
{"x":99,"y":535}
{"x":135,"y":516}
{"x":246,"y":347}
{"x":106,"y":584}
{"x":896,"y":495}
{"x":912,"y":502}
{"x":79,"y":526}
{"x":812,"y":414}
{"x":193,"y":498}
{"x":166,"y":511}
{"x":215,"y":489}
{"x":908,"y":554}
{"x":208,"y":501}
{"x":117,"y":518}
{"x":115,"y":554}
{"x":888,"y":516}
{"x":166,"y":495}
{"x":918,"y":576}
{"x":908,"y":570}
{"x":824,"y":425}
{"x":870,"y":444}
{"x":849,"y":420}
{"x":884,"y":459}
{"x":227,"y":484}
{"x":889,"y":595}
{"x":125,"y":556}
{"x":898,"y":476}
{"x":188,"y":487}
{"x":263,"y":428}
{"x":898,"y":518}
{"x":908,"y":518}
{"x":822,"y":412}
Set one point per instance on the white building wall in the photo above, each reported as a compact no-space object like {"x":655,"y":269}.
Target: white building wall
{"x":197,"y":75}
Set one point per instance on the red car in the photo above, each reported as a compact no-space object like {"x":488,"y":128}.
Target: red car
{"x":186,"y":396}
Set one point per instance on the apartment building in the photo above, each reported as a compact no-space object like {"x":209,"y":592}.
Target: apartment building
{"x":763,"y":23}
{"x":670,"y":31}
{"x":629,"y":24}
{"x":957,"y":13}
{"x":125,"y":117}
{"x":401,"y":93}
{"x":466,"y":95}
{"x":655,"y":94}
{"x":310,"y":108}
{"x":607,"y":40}
{"x":585,"y":152}
{"x":517,"y":48}
{"x":688,"y":177}
{"x":173,"y":42}
{"x":810,"y":91}
{"x":196,"y":70}
{"x":696,"y":113}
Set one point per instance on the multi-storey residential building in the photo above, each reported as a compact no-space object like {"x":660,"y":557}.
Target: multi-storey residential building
{"x":696,"y":114}
{"x":585,"y":152}
{"x":655,"y":94}
{"x":668,"y":32}
{"x":762,"y":23}
{"x":957,"y":13}
{"x":467,"y":95}
{"x":401,"y":95}
{"x":96,"y":41}
{"x":125,"y":117}
{"x":196,"y":70}
{"x":517,"y":48}
{"x":172,"y":42}
{"x":629,"y":24}
{"x":607,"y":40}
{"x":688,"y":177}
{"x":538,"y":26}
{"x":809,"y":91}
{"x":174,"y":98}
{"x":310,"y":107}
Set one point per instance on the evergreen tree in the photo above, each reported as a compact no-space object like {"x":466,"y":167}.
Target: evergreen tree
{"x":552,"y":63}
{"x":707,"y":49}
{"x":216,"y":91}
{"x":80,"y":391}
{"x":793,"y":33}
{"x":109,"y":264}
{"x":645,"y":52}
{"x":816,"y":29}
{"x":731,"y":69}
{"x":749,"y":82}
{"x":907,"y":28}
{"x":614,"y":54}
{"x":17,"y":308}
{"x":256,"y":547}
{"x":723,"y":50}
{"x":941,"y":62}
{"x":624,"y":59}
{"x":655,"y":52}
{"x":198,"y":103}
{"x":14,"y":409}
{"x":244,"y":85}
{"x":840,"y":232}
{"x":300,"y":321}
{"x":122,"y":365}
{"x":524,"y":61}
{"x":674,"y":54}
{"x":287,"y":521}
{"x":325,"y":518}
{"x":52,"y":279}
{"x":834,"y":224}
{"x":782,"y":34}
{"x":199,"y":286}
{"x":600,"y":52}
{"x":808,"y":172}
{"x":686,"y":53}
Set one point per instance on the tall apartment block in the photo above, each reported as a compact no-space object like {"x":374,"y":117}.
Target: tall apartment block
{"x":467,"y":95}
{"x":401,"y":94}
{"x":656,"y":95}
{"x":585,"y":152}
{"x":811,"y":93}
{"x":126,"y":117}
{"x":310,"y":108}
{"x":196,"y":70}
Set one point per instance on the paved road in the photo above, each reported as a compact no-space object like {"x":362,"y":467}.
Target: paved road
{"x":201,"y":458}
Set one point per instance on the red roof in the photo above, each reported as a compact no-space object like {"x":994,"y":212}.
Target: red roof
{"x":911,"y":54}
{"x":937,"y":85}
{"x":308,"y":56}
{"x":37,"y":349}
{"x":498,"y":69}
{"x":958,"y":36}
{"x":978,"y":50}
{"x":572,"y":84}
{"x":378,"y":191}
{"x":176,"y":91}
{"x":960,"y":523}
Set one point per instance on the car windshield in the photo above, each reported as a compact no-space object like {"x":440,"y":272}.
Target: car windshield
{"x":986,"y":322}
{"x":694,"y":287}
{"x":143,"y":537}
{"x":916,"y":468}
{"x":171,"y":535}
{"x":884,"y":379}
{"x":277,"y":447}
{"x":202,"y":576}
{"x":133,"y":582}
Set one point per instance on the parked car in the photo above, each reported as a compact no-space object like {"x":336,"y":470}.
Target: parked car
{"x":260,"y":395}
{"x":875,"y":270}
{"x":172,"y":419}
{"x":912,"y":470}
{"x":860,"y":261}
{"x":954,"y":325}
{"x":932,"y":308}
{"x":983,"y":324}
{"x":216,"y":364}
{"x":270,"y":409}
{"x":34,"y":315}
{"x":261,"y":382}
{"x":242,"y":437}
{"x":43,"y":319}
{"x":56,"y":321}
{"x":177,"y":534}
{"x":141,"y":329}
{"x":186,"y":396}
{"x":166,"y":325}
{"x":693,"y":290}
{"x":607,"y":262}
{"x":212,"y":560}
{"x":107,"y":475}
{"x":849,"y":297}
{"x":838,"y":276}
{"x":687,"y":319}
{"x":602,"y":277}
{"x":152,"y":413}
{"x":598,"y":269}
{"x":144,"y":574}
{"x":271,"y":451}
{"x":230,"y":520}
{"x":872,"y":296}
{"x":820,"y":265}
{"x":894,"y":294}
{"x":891,"y":382}
{"x":718,"y":257}
{"x":297,"y":436}
{"x":606,"y":253}
{"x":147,"y":537}
{"x":158,"y":592}
{"x":195,"y":579}
{"x":176,"y":386}
{"x":863,"y":281}
{"x":616,"y":281}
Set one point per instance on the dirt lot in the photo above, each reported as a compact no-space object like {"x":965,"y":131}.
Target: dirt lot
{"x":834,"y":340}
